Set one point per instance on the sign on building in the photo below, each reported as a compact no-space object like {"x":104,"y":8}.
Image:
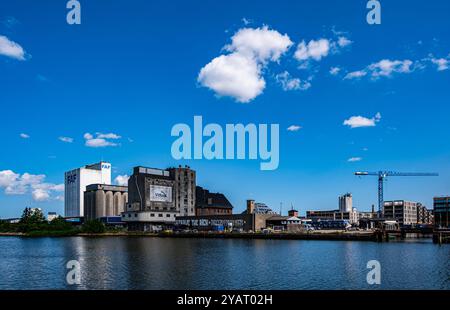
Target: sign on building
{"x":160,"y":193}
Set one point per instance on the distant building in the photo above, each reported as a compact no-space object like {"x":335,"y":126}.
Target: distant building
{"x":258,"y":208}
{"x":346,"y":203}
{"x":157,"y":196}
{"x":75,"y":182}
{"x":424,"y":216}
{"x":404,"y":212}
{"x":333,"y":215}
{"x":101,"y":200}
{"x":51,"y":216}
{"x":207,"y":203}
{"x":441,"y":210}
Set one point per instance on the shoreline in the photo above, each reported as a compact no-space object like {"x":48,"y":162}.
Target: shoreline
{"x":329,"y":236}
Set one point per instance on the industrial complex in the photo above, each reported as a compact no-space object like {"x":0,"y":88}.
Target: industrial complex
{"x":160,"y":199}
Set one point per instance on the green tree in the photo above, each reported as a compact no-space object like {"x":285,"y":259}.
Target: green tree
{"x":94,"y":227}
{"x":32,"y":216}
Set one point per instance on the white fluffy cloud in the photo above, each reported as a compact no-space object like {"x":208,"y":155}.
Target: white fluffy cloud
{"x":318,"y":49}
{"x":100,"y":139}
{"x":15,"y":184}
{"x":294,"y":128}
{"x":289,"y":83}
{"x":233,"y":75}
{"x":122,"y":180}
{"x":24,"y":136}
{"x":360,"y":121}
{"x":239,"y":74}
{"x":314,"y":49}
{"x":11,"y":49}
{"x":66,"y":139}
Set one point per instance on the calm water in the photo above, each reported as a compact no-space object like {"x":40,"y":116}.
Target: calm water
{"x":152,"y":263}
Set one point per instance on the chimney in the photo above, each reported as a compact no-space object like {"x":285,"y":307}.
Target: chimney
{"x":250,"y":206}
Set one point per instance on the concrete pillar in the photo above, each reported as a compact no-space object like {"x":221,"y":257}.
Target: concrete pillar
{"x":100,"y":203}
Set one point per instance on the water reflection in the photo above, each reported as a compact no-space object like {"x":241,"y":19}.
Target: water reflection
{"x":153,"y":263}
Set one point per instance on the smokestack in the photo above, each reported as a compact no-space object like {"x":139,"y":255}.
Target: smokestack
{"x":250,"y":206}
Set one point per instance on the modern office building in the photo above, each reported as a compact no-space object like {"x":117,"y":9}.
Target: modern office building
{"x":207,"y":203}
{"x":157,"y":196}
{"x":75,"y":182}
{"x":101,"y":200}
{"x":346,"y":203}
{"x":441,"y":212}
{"x":404,"y":212}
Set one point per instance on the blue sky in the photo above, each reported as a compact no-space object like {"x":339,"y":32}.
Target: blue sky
{"x":132,"y":69}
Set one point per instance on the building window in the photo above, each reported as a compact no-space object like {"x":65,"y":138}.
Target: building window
{"x":167,"y":215}
{"x":152,"y":214}
{"x":160,"y":215}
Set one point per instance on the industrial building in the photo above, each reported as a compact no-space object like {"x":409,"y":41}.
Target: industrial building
{"x":102,"y":200}
{"x":207,"y":203}
{"x":157,"y":196}
{"x":75,"y":182}
{"x":404,"y":212}
{"x":345,"y":212}
{"x":346,"y":203}
{"x":441,"y":210}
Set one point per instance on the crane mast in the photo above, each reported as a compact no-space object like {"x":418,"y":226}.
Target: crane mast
{"x":382,"y":176}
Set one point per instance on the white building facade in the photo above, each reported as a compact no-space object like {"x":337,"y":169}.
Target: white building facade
{"x":75,"y":182}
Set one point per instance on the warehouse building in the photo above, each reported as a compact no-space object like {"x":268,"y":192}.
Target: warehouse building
{"x":157,"y":196}
{"x":207,"y":203}
{"x":75,"y":182}
{"x":102,"y":200}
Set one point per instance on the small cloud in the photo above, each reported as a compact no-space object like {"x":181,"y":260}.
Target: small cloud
{"x":343,"y":41}
{"x":335,"y":70}
{"x":288,"y":83}
{"x":101,"y":140}
{"x":112,"y":136}
{"x":315,"y":49}
{"x":24,"y":136}
{"x":365,"y":149}
{"x":246,"y":21}
{"x":122,"y":180}
{"x":11,"y":49}
{"x":385,"y":68}
{"x":66,"y":139}
{"x":130,"y":140}
{"x":360,"y":121}
{"x":441,"y":63}
{"x":294,"y":128}
{"x":355,"y":75}
{"x":354,"y":159}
